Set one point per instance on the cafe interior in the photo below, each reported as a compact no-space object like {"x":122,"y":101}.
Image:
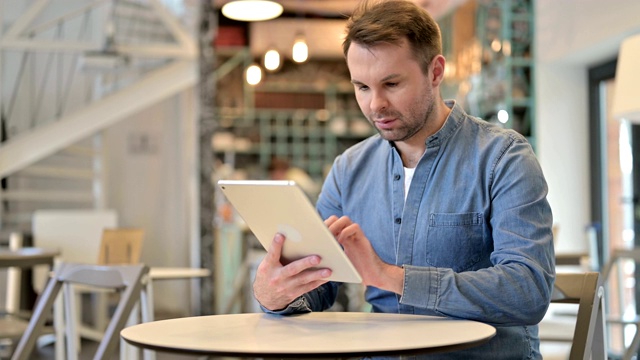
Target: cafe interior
{"x":118,"y":117}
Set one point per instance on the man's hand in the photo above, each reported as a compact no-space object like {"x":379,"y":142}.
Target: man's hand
{"x":276,"y":286}
{"x":358,"y":249}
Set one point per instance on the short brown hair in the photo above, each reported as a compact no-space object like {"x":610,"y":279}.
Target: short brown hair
{"x":390,"y":21}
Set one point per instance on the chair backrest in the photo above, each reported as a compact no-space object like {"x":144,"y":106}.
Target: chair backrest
{"x":120,"y":246}
{"x":76,"y":233}
{"x":126,"y":279}
{"x":584,"y":289}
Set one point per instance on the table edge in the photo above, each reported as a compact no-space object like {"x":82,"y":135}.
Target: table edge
{"x":317,"y":355}
{"x":291,"y":355}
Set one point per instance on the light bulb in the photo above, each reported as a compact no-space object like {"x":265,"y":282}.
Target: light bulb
{"x":496,"y":45}
{"x":300,"y":51}
{"x":272,"y":60}
{"x":254,"y":75}
{"x":503,"y":116}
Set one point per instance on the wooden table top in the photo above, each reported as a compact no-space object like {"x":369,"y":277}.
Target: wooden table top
{"x":317,"y":334}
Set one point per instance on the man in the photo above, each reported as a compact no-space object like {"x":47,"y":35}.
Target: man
{"x":441,"y":213}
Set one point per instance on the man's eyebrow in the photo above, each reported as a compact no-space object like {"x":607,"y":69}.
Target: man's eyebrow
{"x":389,"y":77}
{"x":386,"y":78}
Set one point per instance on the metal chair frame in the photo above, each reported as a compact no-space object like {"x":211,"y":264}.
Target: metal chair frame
{"x":126,"y":279}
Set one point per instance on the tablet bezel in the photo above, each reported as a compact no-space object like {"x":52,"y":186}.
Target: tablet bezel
{"x":272,"y":206}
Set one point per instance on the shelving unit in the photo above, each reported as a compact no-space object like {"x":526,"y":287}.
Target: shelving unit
{"x":505,"y":31}
{"x":324,"y":122}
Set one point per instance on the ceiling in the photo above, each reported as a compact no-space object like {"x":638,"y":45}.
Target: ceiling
{"x":321,"y":21}
{"x":340,"y":8}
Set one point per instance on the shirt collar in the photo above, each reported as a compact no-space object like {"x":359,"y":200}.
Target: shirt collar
{"x":456,"y":115}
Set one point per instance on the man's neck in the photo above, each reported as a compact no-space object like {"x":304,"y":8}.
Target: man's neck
{"x":410,"y":159}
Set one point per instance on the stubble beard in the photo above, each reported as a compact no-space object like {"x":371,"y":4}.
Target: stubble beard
{"x":409,"y":126}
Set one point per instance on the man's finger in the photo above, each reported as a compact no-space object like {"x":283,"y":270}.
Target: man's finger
{"x":275,"y":249}
{"x":296,"y":267}
{"x":330,"y":220}
{"x":340,"y":224}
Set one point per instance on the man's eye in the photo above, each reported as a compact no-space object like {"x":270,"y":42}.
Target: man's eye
{"x":393,"y":84}
{"x":363,"y":88}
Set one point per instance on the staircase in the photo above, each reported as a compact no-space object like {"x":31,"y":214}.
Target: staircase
{"x":67,"y":179}
{"x":71,"y":70}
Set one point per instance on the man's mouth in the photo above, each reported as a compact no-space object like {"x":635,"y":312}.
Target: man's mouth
{"x":385,"y":124}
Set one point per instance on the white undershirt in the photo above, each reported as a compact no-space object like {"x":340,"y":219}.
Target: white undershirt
{"x":408,"y":176}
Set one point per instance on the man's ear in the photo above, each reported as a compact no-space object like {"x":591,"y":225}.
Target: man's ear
{"x":437,"y":70}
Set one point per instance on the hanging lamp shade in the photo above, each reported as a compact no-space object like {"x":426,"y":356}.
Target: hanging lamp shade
{"x":300,"y":50}
{"x":253,"y":74}
{"x":626,"y":98}
{"x":252,"y":10}
{"x":272,"y":60}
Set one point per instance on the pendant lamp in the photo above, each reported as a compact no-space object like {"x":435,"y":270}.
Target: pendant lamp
{"x":300,"y":50}
{"x":252,"y":10}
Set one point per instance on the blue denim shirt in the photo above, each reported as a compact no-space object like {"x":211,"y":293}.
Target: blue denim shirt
{"x":474,"y":235}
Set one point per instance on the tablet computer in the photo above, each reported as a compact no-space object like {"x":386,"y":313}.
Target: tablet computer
{"x":280,"y":206}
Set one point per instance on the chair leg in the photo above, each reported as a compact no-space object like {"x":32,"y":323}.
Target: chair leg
{"x":58,"y":328}
{"x":43,"y":306}
{"x":146,"y":301}
{"x":101,"y":315}
{"x":632,"y":350}
{"x":71,"y":322}
{"x":146,"y":310}
{"x":598,"y":343}
{"x":129,"y":352}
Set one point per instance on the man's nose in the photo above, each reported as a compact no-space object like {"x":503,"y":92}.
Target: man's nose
{"x":378,"y":102}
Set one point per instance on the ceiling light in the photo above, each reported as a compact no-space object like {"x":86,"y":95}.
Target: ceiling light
{"x":252,"y":10}
{"x":300,"y":51}
{"x":253,"y":74}
{"x":272,"y":60}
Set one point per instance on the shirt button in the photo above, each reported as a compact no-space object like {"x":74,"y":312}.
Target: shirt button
{"x":398,"y":220}
{"x":396,"y":177}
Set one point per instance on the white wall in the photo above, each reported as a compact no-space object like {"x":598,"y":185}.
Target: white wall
{"x":571,"y":36}
{"x":150,"y":185}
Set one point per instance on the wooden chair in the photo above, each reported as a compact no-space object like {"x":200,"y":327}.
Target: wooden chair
{"x":118,"y":246}
{"x":127,"y":280}
{"x":585,"y":290}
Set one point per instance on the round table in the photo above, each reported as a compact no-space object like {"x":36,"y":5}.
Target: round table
{"x":27,"y":257}
{"x":317,"y":334}
{"x":11,"y":326}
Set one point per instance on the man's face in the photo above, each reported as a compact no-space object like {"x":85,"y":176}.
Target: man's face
{"x":391,"y":89}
